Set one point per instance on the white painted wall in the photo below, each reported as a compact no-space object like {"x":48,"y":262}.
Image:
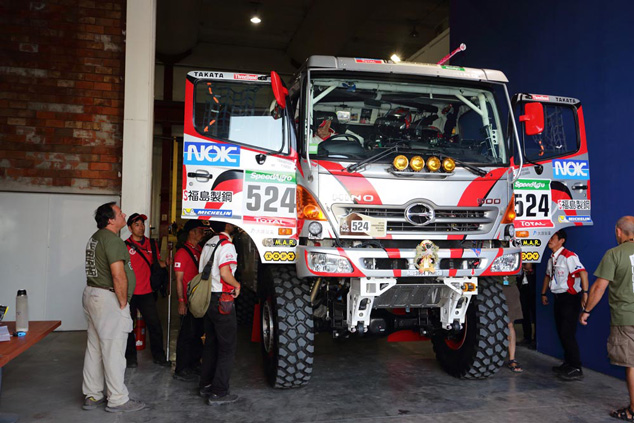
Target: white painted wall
{"x":42,"y":249}
{"x":434,"y":50}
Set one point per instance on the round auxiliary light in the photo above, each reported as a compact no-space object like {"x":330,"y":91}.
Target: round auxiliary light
{"x":400,"y":162}
{"x":433,"y":164}
{"x":417,"y":163}
{"x":448,"y":164}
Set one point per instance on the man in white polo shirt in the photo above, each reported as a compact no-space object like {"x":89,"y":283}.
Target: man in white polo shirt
{"x":568,"y":281}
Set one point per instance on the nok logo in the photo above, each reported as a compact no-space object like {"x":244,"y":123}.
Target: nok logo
{"x":210,"y":154}
{"x":571,"y":169}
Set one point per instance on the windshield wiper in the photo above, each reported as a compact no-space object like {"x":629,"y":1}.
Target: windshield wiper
{"x":471,"y":168}
{"x":378,"y":156}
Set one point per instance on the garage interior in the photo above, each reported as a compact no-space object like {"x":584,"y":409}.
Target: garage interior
{"x":66,"y":146}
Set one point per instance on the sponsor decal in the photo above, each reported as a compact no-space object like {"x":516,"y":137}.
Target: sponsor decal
{"x":542,"y":233}
{"x":477,"y":251}
{"x":361,"y":60}
{"x":532,"y":184}
{"x":211,"y":196}
{"x":531,"y":243}
{"x":270,"y":177}
{"x":573,"y":204}
{"x":360,"y":224}
{"x":533,"y":224}
{"x":213,"y":213}
{"x":540,"y":97}
{"x":349,"y":198}
{"x":188,"y":212}
{"x":575,"y":219}
{"x":284,"y":242}
{"x":530,"y":256}
{"x":279,"y":256}
{"x":199,"y":74}
{"x":245,"y":77}
{"x":571,"y":169}
{"x":132,"y":251}
{"x":455,"y":68}
{"x":211,"y":154}
{"x":177,"y":265}
{"x":272,"y":221}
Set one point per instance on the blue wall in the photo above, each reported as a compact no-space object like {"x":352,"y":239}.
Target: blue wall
{"x":578,"y":49}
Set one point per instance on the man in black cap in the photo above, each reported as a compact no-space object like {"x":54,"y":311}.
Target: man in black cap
{"x":141,"y":253}
{"x":189,"y":345}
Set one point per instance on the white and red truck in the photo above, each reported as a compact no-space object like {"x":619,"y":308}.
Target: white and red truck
{"x":382,"y":198}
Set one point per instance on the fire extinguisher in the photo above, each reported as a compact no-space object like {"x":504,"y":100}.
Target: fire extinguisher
{"x":139,"y":332}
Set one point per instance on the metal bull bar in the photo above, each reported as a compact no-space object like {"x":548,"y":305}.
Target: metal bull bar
{"x":451,"y":295}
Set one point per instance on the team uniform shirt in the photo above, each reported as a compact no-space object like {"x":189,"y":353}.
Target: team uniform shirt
{"x":225,"y":256}
{"x":617,"y":266}
{"x":563,"y":269}
{"x":103,"y":249}
{"x":183,"y":263}
{"x":141,"y":268}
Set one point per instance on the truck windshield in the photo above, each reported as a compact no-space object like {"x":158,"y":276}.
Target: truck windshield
{"x":238,"y":112}
{"x":352,"y":118}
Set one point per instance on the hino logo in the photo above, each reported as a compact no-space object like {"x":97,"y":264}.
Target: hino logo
{"x":204,"y":153}
{"x":365,"y":198}
{"x":419,"y":214}
{"x":571,"y":169}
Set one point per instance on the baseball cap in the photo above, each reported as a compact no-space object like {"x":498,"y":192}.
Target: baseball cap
{"x":193,"y":224}
{"x":136,"y":216}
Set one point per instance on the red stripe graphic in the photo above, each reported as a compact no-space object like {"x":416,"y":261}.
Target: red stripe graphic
{"x":480,"y":187}
{"x":355,"y":183}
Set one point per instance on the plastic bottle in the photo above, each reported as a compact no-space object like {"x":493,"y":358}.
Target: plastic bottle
{"x":22,"y":312}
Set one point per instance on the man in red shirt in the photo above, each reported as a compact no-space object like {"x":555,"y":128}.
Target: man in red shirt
{"x":140,"y":249}
{"x":189,"y":345}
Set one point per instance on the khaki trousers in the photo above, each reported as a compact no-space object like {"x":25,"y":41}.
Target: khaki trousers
{"x":104,"y":362}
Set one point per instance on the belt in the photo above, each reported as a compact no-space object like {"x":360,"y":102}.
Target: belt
{"x":561,"y":294}
{"x":102,"y":287}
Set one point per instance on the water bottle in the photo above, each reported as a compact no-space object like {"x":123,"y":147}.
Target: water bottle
{"x":22,"y":312}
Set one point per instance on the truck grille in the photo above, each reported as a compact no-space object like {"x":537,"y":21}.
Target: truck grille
{"x":454,"y":220}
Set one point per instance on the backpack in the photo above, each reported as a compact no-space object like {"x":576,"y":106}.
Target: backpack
{"x":199,"y":288}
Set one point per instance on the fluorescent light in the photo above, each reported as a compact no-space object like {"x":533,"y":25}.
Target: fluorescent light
{"x":255,"y":19}
{"x":395,"y":58}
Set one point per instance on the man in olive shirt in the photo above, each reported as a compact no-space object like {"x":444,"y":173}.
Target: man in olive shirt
{"x":110,"y":284}
{"x":617,"y":270}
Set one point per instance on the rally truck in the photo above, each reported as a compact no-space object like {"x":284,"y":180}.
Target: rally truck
{"x":381,"y":198}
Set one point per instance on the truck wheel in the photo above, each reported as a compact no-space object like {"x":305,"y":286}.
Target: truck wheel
{"x":479,"y":350}
{"x":287,"y":327}
{"x":245,"y":303}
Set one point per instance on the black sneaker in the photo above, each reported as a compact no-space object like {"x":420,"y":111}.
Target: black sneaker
{"x":185,"y":375}
{"x":570,"y":374}
{"x":205,"y":391}
{"x":163,"y":362}
{"x":132,"y":364}
{"x":561,"y":368}
{"x":215,"y":399}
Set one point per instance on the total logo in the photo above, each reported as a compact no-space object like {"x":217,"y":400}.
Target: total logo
{"x":210,"y":154}
{"x":571,"y":169}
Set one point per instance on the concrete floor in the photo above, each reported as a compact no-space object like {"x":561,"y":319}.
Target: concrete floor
{"x":361,"y":380}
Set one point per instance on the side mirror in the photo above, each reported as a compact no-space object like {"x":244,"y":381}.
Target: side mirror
{"x":279,"y":90}
{"x":533,"y":118}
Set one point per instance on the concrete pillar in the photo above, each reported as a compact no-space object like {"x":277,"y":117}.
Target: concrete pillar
{"x":138,"y":119}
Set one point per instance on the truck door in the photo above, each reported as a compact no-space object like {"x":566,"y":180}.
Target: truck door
{"x":239,"y":160}
{"x":553,"y":190}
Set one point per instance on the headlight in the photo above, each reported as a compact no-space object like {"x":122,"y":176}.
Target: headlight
{"x":433,"y":164}
{"x":506,"y":263}
{"x":417,"y":163}
{"x":400,"y":162}
{"x":510,"y":231}
{"x":448,"y":164}
{"x":315,"y":229}
{"x":328,"y":263}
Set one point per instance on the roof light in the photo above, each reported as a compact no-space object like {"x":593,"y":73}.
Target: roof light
{"x":256,"y":19}
{"x":395,"y":58}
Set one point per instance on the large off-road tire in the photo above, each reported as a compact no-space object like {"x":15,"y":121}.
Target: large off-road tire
{"x":245,"y":305}
{"x":247,"y":274}
{"x":480,"y":349}
{"x":286,"y":326}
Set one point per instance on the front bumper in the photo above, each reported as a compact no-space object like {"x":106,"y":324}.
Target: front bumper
{"x":400,"y":263}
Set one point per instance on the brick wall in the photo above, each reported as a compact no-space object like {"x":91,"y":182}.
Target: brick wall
{"x":61,"y":95}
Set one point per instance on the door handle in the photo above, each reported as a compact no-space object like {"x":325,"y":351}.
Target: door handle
{"x":579,"y":186}
{"x":200,"y":175}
